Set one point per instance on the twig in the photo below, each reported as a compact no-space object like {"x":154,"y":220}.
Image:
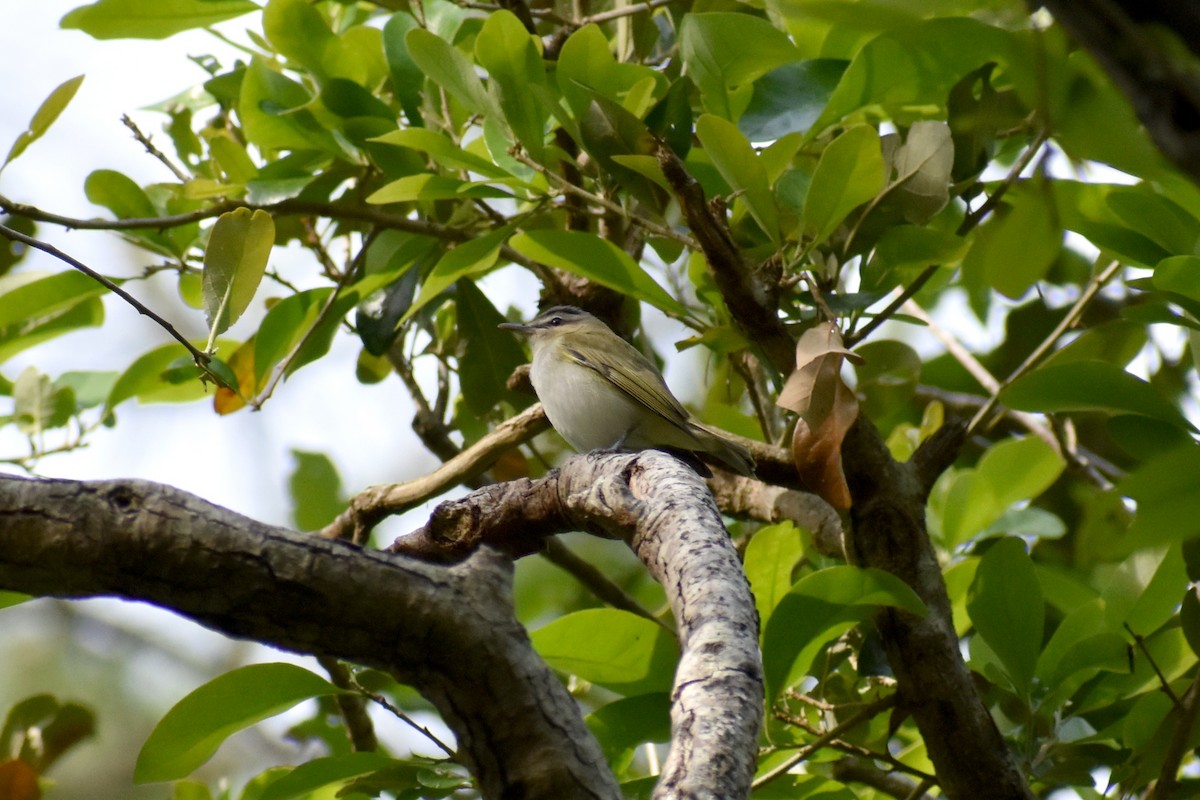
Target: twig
{"x":1072,"y":316}
{"x":968,"y":224}
{"x":980,"y":373}
{"x":1140,"y":641}
{"x":854,"y":769}
{"x":145,"y":142}
{"x":605,"y":203}
{"x":407,"y":720}
{"x":596,"y":582}
{"x":1168,"y":776}
{"x":293,"y":206}
{"x":202,"y":358}
{"x":626,"y":11}
{"x":377,"y":502}
{"x":857,"y":718}
{"x":359,"y":727}
{"x":427,"y":422}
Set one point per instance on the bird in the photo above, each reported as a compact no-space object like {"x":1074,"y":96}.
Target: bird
{"x":602,"y":393}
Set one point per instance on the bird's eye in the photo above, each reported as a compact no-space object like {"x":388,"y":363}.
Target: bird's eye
{"x":556,"y":321}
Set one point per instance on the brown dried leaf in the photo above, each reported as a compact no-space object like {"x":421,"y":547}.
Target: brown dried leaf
{"x":18,"y":780}
{"x":827,"y":408}
{"x":820,"y":349}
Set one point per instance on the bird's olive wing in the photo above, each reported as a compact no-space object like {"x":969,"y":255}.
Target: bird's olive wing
{"x":635,"y":376}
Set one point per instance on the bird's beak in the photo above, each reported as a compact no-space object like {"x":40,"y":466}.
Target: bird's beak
{"x":519,"y":327}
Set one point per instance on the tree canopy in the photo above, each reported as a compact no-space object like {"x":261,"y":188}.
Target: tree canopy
{"x":944,"y":276}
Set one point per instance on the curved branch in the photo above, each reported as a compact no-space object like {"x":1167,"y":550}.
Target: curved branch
{"x":932,"y":681}
{"x":448,"y":631}
{"x":372,"y":214}
{"x":372,"y":505}
{"x":666,"y":514}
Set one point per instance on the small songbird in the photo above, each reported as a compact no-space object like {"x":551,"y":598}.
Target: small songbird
{"x":600,"y":392}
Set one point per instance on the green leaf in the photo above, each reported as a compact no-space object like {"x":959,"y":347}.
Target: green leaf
{"x":1007,"y":609}
{"x":144,"y":378}
{"x":506,"y":50}
{"x":821,"y":606}
{"x":1179,"y":274}
{"x":1089,"y":386}
{"x":790,"y":98}
{"x":31,"y":297}
{"x":472,"y":257}
{"x":1157,"y":603}
{"x":1015,"y":247}
{"x":1010,"y":471}
{"x":9,"y":599}
{"x":34,"y":309}
{"x":15,"y":338}
{"x":596,"y":259}
{"x":616,"y":649}
{"x":1157,"y":218}
{"x":91,"y":388}
{"x":38,"y":405}
{"x":606,"y":130}
{"x":770,"y":558}
{"x":916,"y":65}
{"x":151,"y":19}
{"x":449,"y":68}
{"x":316,"y":489}
{"x":272,"y":109}
{"x":298,"y":31}
{"x":923,"y":164}
{"x":13,"y":252}
{"x":586,"y":67}
{"x":194,"y":728}
{"x":887,"y":376}
{"x":44,"y":117}
{"x":320,"y":773}
{"x":1019,"y":469}
{"x":851,"y":172}
{"x":234,"y":264}
{"x":1166,"y":491}
{"x":407,"y":78}
{"x":485,"y":360}
{"x":441,"y":149}
{"x":738,"y":164}
{"x":1189,"y":618}
{"x":1116,"y":342}
{"x":427,"y":186}
{"x":716,"y":56}
{"x":119,"y":194}
{"x":624,"y":724}
{"x":286,"y":326}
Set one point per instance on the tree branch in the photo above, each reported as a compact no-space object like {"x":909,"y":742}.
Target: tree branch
{"x":752,"y":295}
{"x":666,"y":514}
{"x":448,"y":631}
{"x":933,"y":682}
{"x":361,"y":213}
{"x":1165,"y":93}
{"x":372,"y":505}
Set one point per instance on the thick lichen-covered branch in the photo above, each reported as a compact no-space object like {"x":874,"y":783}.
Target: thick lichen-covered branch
{"x":447,"y":631}
{"x":666,"y":514}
